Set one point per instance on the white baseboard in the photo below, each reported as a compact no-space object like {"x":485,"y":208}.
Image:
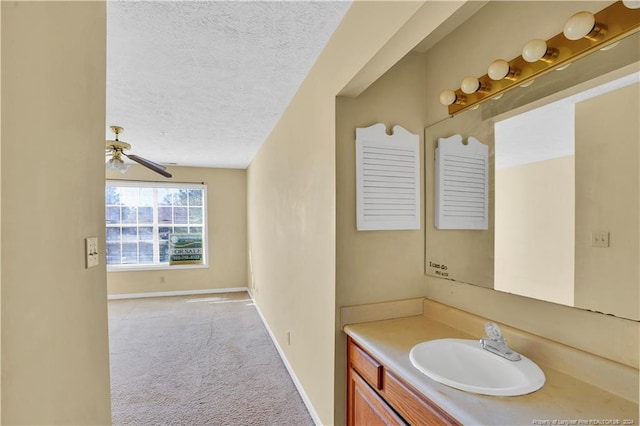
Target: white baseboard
{"x":296,"y":382}
{"x":177,"y":293}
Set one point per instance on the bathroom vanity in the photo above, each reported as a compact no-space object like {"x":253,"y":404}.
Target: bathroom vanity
{"x":385,"y":388}
{"x":378,"y":396}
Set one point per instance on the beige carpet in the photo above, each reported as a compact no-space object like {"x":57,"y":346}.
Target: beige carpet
{"x":197,"y":360}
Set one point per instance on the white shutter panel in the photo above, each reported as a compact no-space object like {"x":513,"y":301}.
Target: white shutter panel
{"x":388,"y":179}
{"x":462,"y":184}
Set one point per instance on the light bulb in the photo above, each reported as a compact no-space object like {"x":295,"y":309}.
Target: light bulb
{"x":112,"y":164}
{"x":534,"y":50}
{"x":498,"y":69}
{"x":632,"y":4}
{"x":470,"y":85}
{"x":527,"y":84}
{"x":116,"y":163}
{"x":447,"y":97}
{"x":579,"y":25}
{"x":537,"y":50}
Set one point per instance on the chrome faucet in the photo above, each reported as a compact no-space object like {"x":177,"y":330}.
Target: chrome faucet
{"x":494,"y":343}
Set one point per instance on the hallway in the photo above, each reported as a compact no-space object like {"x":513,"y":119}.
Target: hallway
{"x":197,"y":360}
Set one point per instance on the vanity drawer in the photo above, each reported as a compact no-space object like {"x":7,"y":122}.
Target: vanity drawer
{"x":414,"y":407}
{"x":370,"y":369}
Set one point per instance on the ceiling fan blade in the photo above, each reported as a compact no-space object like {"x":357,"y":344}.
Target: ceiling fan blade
{"x":158,"y":168}
{"x":133,"y":157}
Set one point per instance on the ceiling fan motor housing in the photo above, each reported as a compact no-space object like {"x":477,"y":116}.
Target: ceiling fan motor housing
{"x":118,"y":145}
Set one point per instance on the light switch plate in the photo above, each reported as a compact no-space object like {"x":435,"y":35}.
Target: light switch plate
{"x":91,"y":252}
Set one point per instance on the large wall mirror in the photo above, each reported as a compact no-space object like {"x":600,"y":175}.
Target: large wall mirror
{"x":564,"y":188}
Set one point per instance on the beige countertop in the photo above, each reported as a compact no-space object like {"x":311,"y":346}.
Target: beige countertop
{"x":563,"y":400}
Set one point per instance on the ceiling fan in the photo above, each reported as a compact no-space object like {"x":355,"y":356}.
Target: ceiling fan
{"x":116,"y":149}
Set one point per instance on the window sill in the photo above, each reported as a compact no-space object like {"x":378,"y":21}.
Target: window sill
{"x":143,"y":268}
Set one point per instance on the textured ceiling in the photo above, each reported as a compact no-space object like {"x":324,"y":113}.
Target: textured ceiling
{"x":203,"y":83}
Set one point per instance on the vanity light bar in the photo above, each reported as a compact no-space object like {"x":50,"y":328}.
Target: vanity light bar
{"x":613,"y":23}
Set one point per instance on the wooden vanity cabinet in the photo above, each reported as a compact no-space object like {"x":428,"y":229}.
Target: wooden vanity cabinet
{"x":376,"y":396}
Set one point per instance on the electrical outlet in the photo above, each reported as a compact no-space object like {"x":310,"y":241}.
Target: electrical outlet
{"x":600,"y":239}
{"x":91,"y":252}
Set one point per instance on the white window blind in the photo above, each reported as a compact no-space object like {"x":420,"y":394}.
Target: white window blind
{"x":388,"y":179}
{"x":462,"y":184}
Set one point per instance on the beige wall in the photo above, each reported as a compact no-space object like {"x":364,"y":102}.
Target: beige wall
{"x":373,"y":266}
{"x":292,"y":190}
{"x":397,"y":98}
{"x":607,"y":150}
{"x":535,"y":230}
{"x":227,"y":235}
{"x":55,"y":354}
{"x":0,"y":217}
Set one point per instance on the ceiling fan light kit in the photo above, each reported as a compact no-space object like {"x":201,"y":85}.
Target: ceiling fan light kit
{"x":116,"y":149}
{"x":116,"y":163}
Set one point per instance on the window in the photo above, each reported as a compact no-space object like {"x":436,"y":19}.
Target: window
{"x":140,"y":217}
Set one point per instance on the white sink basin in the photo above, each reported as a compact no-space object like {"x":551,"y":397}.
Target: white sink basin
{"x":464,"y":365}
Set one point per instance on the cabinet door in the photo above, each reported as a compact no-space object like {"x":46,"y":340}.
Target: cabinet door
{"x":365,"y":407}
